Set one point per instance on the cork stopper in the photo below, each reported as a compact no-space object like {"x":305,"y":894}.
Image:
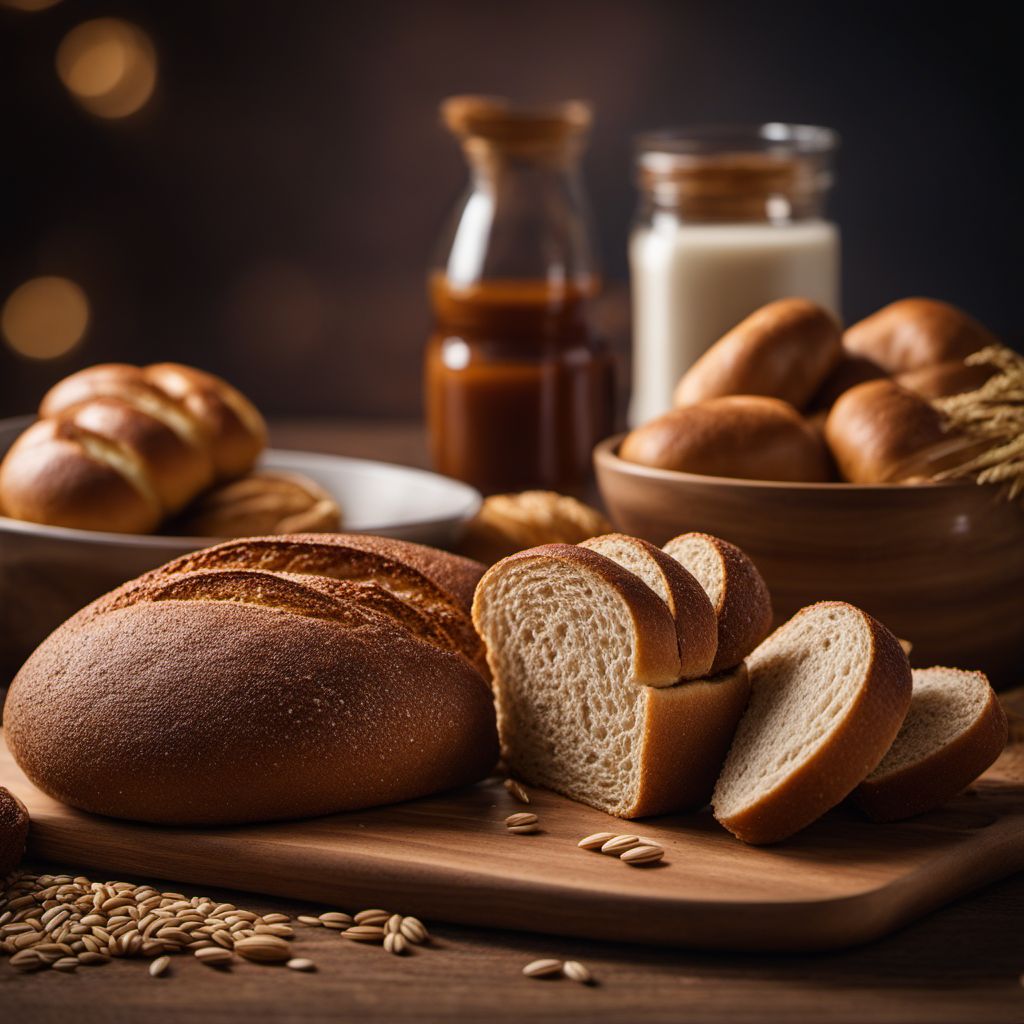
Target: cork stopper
{"x":511,"y":126}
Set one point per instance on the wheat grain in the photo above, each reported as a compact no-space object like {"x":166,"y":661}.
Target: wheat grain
{"x":576,"y":971}
{"x":543,"y":968}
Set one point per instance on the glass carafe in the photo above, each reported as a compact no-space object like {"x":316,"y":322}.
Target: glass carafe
{"x":518,"y":386}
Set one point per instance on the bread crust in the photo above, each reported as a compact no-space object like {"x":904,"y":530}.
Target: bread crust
{"x":943,"y":379}
{"x":195,"y":709}
{"x":879,"y":432}
{"x":687,"y":731}
{"x":915,"y":332}
{"x":924,"y":784}
{"x":749,"y":437}
{"x":436,"y":581}
{"x":784,"y":350}
{"x":744,"y":608}
{"x":852,"y":751}
{"x":14,"y":826}
{"x":696,"y":623}
{"x":656,"y":652}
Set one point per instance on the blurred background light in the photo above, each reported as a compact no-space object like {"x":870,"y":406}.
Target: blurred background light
{"x":109,"y":66}
{"x":28,"y":5}
{"x":45,"y":317}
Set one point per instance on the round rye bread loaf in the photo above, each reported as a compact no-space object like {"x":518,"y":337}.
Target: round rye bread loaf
{"x":265,"y":679}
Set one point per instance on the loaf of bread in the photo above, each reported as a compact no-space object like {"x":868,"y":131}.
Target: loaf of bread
{"x":260,"y":503}
{"x":120,"y":448}
{"x":14,"y":824}
{"x":260,"y":680}
{"x":784,"y":350}
{"x":954,"y":730}
{"x":585,"y":661}
{"x":696,"y":625}
{"x":745,"y":436}
{"x":913,"y":333}
{"x":880,"y":433}
{"x":829,"y":692}
{"x":737,"y":591}
{"x":507,"y":523}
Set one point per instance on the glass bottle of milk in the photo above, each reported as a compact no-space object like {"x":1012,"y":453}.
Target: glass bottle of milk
{"x":730,"y":218}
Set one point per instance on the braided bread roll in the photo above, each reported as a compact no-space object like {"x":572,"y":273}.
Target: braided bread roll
{"x":120,"y":447}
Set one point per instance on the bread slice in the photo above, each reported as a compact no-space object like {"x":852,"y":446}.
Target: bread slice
{"x":584,"y":656}
{"x":829,"y":691}
{"x":696,"y":624}
{"x":738,"y":593}
{"x":954,"y":730}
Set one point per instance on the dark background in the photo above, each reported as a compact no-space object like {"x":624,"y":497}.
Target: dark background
{"x":270,"y":213}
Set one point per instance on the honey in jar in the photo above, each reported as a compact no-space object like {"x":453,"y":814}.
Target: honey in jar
{"x":518,"y":384}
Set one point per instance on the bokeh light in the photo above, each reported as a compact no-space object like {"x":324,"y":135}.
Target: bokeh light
{"x":45,"y":317}
{"x":28,"y":5}
{"x":109,"y":66}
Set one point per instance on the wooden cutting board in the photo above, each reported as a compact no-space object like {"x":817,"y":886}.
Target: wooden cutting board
{"x":450,"y":858}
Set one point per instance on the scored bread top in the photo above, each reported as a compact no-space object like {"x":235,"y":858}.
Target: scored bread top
{"x":655,"y":656}
{"x":431,"y":581}
{"x":829,"y":691}
{"x":696,"y":623}
{"x":954,"y":730}
{"x":737,"y":591}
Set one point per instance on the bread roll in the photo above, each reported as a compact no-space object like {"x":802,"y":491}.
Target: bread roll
{"x":120,"y":448}
{"x":943,"y":379}
{"x":507,"y":523}
{"x":218,"y":696}
{"x":263,"y":502}
{"x":913,"y":333}
{"x":696,"y":624}
{"x":585,"y":662}
{"x":14,"y":824}
{"x":881,"y":433}
{"x":736,"y":590}
{"x":849,"y":372}
{"x":954,"y":730}
{"x":745,"y":436}
{"x":829,"y":691}
{"x":784,"y":350}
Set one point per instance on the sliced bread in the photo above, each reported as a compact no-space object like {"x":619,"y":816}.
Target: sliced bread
{"x":696,"y":624}
{"x":738,"y":593}
{"x":584,"y":656}
{"x":954,"y":730}
{"x":829,"y":692}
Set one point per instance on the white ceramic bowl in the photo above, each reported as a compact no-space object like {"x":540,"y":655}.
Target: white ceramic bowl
{"x":49,"y":572}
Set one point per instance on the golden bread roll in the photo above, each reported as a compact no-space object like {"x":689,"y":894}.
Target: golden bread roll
{"x":14,"y":825}
{"x":944,"y":379}
{"x":912,"y":333}
{"x":848,"y":373}
{"x":127,"y":446}
{"x":783,"y":350}
{"x":219,"y":695}
{"x":507,"y":523}
{"x":745,"y":436}
{"x":260,"y":503}
{"x":882,"y":433}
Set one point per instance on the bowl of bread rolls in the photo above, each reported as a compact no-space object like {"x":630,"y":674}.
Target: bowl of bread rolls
{"x":125,"y":467}
{"x":882,"y":465}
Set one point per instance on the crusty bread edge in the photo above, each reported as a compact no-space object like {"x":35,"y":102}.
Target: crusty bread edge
{"x":851,"y":751}
{"x":745,"y":610}
{"x":656,"y":650}
{"x":687,"y":732}
{"x":695,"y":618}
{"x":927,"y":783}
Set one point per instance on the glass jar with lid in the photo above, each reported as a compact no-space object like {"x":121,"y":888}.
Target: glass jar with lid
{"x":730,"y":218}
{"x":518,"y":384}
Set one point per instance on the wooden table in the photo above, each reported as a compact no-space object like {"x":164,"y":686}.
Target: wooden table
{"x":961,"y":964}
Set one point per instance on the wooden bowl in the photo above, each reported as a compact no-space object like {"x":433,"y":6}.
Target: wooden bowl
{"x":942,"y":565}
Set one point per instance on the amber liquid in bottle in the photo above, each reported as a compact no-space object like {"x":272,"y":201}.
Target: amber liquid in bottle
{"x":518,"y":388}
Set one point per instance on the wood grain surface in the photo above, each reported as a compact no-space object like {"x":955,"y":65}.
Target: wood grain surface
{"x":449,"y":857}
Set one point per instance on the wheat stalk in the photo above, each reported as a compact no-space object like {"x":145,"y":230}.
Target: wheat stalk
{"x":992,"y":416}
